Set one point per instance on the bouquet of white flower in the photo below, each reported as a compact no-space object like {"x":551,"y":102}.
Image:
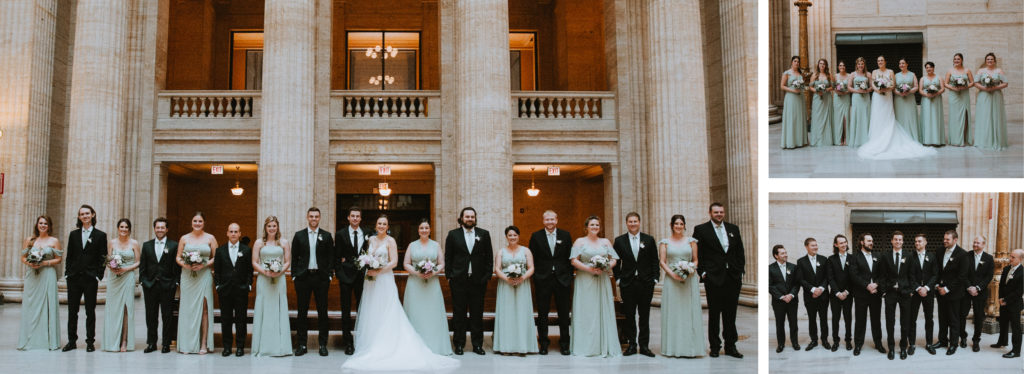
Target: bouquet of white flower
{"x":958,"y":82}
{"x":426,"y":266}
{"x":192,"y":258}
{"x":114,"y":262}
{"x":34,"y":256}
{"x":682,"y":268}
{"x":882,"y":83}
{"x":840,"y":87}
{"x":798,"y":84}
{"x":988,"y":81}
{"x":368,"y":262}
{"x":903,"y":88}
{"x":514,"y":270}
{"x":931,"y":88}
{"x":820,"y":86}
{"x":274,"y":265}
{"x":600,"y":262}
{"x":863,"y":85}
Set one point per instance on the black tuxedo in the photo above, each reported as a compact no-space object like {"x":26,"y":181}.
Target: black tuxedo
{"x":636,"y":276}
{"x":83,"y":268}
{"x":951,"y":275}
{"x":779,"y":286}
{"x":922,"y":274}
{"x":552,"y":276}
{"x":722,"y":274}
{"x":817,"y":308}
{"x":468,"y":289}
{"x":978,"y":275}
{"x":897,"y":296}
{"x":350,"y":278}
{"x":233,"y":284}
{"x":159,"y":283}
{"x":861,"y":275}
{"x":839,"y":281}
{"x":1011,"y":291}
{"x":312,"y":282}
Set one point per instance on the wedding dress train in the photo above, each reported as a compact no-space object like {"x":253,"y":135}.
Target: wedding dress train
{"x":887,"y":140}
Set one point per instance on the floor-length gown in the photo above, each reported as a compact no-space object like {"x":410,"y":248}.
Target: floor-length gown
{"x":593,"y":315}
{"x":841,"y":116}
{"x":682,"y":321}
{"x":821,"y":116}
{"x":514,"y":330}
{"x":271,"y":333}
{"x":424,"y":303}
{"x":196,"y":291}
{"x":959,"y":114}
{"x":933,"y":124}
{"x":794,"y":116}
{"x":120,"y":304}
{"x":40,"y":316}
{"x":905,"y":107}
{"x":990,"y":118}
{"x":860,"y":114}
{"x":887,"y":140}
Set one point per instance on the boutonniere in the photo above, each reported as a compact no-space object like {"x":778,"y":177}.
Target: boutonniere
{"x":1009,"y":277}
{"x":981,"y":262}
{"x":787,"y":271}
{"x":731,"y":235}
{"x":477,"y":238}
{"x":558,"y":242}
{"x":926,"y":259}
{"x":319,"y":237}
{"x":641,"y":244}
{"x":165,"y":250}
{"x":875,"y":259}
{"x":239,"y":255}
{"x":366,"y":237}
{"x":903,"y":260}
{"x":87,"y":241}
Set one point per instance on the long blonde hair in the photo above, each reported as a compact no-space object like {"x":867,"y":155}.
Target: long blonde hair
{"x":266,"y":222}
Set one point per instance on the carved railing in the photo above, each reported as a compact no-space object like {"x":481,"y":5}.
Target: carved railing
{"x":563,"y":105}
{"x":209,"y":104}
{"x":386,"y":104}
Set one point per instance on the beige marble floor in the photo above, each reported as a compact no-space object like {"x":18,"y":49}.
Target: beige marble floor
{"x":79,"y":361}
{"x":951,"y":162}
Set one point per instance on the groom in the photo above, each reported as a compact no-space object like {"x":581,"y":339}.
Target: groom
{"x":468,"y":259}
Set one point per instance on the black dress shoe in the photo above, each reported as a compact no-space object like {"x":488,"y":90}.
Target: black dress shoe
{"x":630,"y":350}
{"x":70,"y":347}
{"x":892,"y":355}
{"x":565,"y":351}
{"x":90,"y":347}
{"x":226,"y":353}
{"x":796,"y":347}
{"x":734,"y":353}
{"x":1011,"y":355}
{"x":910,"y":350}
{"x":240,"y":352}
{"x":849,"y":346}
{"x":951,"y":351}
{"x":997,"y":345}
{"x":835,"y":347}
{"x":301,"y":350}
{"x":963,"y":343}
{"x":165,"y":349}
{"x":149,"y":348}
{"x":824,"y":344}
{"x":543,"y":350}
{"x":323,"y":350}
{"x":478,"y":350}
{"x":349,"y":350}
{"x":930,"y":349}
{"x":880,"y":349}
{"x":646,"y":352}
{"x":856,"y":351}
{"x":779,"y":349}
{"x":457,"y":350}
{"x":903,"y":354}
{"x":975,"y":347}
{"x":940,"y":345}
{"x":812,"y":345}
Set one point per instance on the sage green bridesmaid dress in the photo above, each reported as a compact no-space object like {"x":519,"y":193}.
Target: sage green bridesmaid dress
{"x":120,"y":305}
{"x":593,"y":315}
{"x":40,"y":316}
{"x":424,"y":303}
{"x":794,"y":116}
{"x":196,"y":290}
{"x":933,"y":129}
{"x":271,"y":333}
{"x":682,"y":321}
{"x":959,"y":115}
{"x":860,"y":114}
{"x":514,"y":330}
{"x":905,"y":107}
{"x":821,"y":116}
{"x":990,"y":120}
{"x":841,"y":115}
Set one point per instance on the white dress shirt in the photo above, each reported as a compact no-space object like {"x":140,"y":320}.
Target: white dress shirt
{"x":842,"y":261}
{"x":359,"y":236}
{"x":921,"y":256}
{"x":312,"y":233}
{"x":233,"y":252}
{"x":158,"y":248}
{"x":977,"y":260}
{"x":552,"y":238}
{"x":782,"y":269}
{"x":470,"y":241}
{"x":723,"y":238}
{"x":634,"y":244}
{"x":85,"y":236}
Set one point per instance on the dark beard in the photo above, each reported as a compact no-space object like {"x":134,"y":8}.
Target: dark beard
{"x":468,"y":226}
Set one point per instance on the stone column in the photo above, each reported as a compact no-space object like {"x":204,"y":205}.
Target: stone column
{"x":979,"y":218}
{"x":677,"y":132}
{"x":779,"y":52}
{"x":1001,"y":244}
{"x":287,"y":138}
{"x":325,"y":190}
{"x":26,"y":68}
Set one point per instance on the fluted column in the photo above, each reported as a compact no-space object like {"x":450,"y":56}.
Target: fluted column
{"x":1001,"y":253}
{"x":26,"y":66}
{"x":779,"y":46}
{"x":979,"y":218}
{"x":677,"y":130}
{"x":287,"y":144}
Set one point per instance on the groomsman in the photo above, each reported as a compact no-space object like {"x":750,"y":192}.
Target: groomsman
{"x":636,"y":272}
{"x":979,"y":273}
{"x":83,"y":269}
{"x":783,"y":285}
{"x":1011,"y":288}
{"x":720,"y":265}
{"x":839,"y":288}
{"x":813,"y":269}
{"x":923,"y":269}
{"x":468,"y":258}
{"x":551,"y":247}
{"x":232,"y":274}
{"x":159,"y":275}
{"x":351,"y":240}
{"x":951,"y":284}
{"x":867,"y":276}
{"x":312,"y":249}
{"x":897,"y":295}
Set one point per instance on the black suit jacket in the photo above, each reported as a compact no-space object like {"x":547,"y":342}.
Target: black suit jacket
{"x":838,"y":274}
{"x":810,"y":279}
{"x":953,"y":275}
{"x":981,"y":276}
{"x":897,"y":278}
{"x":1011,"y":290}
{"x":457,"y":257}
{"x":300,"y":252}
{"x":233,"y":278}
{"x":164,"y":273}
{"x":85,"y":260}
{"x":861,"y":275}
{"x":544,"y":263}
{"x":645,"y":268}
{"x":713,"y":262}
{"x":347,"y":271}
{"x":779,"y":287}
{"x":923,"y":274}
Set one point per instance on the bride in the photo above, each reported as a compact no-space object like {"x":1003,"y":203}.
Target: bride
{"x":385,"y":340}
{"x":887,"y":140}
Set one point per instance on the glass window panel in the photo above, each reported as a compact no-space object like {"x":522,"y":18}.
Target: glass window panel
{"x":383,"y":60}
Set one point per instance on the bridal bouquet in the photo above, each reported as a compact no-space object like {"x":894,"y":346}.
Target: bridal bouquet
{"x":114,"y":262}
{"x":369,"y":262}
{"x":514,"y":270}
{"x":883,"y":83}
{"x":190,"y":258}
{"x":988,"y":81}
{"x":34,"y":256}
{"x":274,"y":265}
{"x":959,"y":82}
{"x":931,"y":88}
{"x":798,"y":84}
{"x":682,"y":268}
{"x":600,"y":262}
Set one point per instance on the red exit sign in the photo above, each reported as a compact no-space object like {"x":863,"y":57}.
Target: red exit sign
{"x":217,"y":169}
{"x":384,"y":170}
{"x":554,"y":171}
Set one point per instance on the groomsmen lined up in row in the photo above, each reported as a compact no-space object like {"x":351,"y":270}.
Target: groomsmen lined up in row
{"x":905,"y":280}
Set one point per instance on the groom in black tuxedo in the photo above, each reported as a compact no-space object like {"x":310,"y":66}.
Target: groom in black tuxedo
{"x":351,"y":241}
{"x":232,"y":274}
{"x":159,"y":275}
{"x":469,"y":259}
{"x":312,"y":252}
{"x":83,"y":269}
{"x":552,"y":275}
{"x":636,"y":273}
{"x":720,"y":265}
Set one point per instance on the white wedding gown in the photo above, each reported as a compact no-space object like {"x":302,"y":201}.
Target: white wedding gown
{"x":887,"y":140}
{"x":384,"y":338}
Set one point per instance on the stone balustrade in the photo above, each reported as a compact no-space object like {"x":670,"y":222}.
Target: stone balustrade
{"x":385,"y":104}
{"x":209,"y":104}
{"x":563,"y":105}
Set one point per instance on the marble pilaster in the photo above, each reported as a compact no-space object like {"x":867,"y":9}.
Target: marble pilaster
{"x":779,"y":46}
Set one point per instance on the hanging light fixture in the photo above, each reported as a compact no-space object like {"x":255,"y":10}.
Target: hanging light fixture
{"x":237,"y":190}
{"x":383,"y":189}
{"x":532,"y":191}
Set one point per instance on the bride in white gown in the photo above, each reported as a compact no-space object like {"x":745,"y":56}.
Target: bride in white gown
{"x":887,"y":140}
{"x":384,"y":338}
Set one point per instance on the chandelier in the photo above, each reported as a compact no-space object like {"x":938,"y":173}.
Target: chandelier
{"x":388,"y":51}
{"x":532,"y":191}
{"x":237,"y":190}
{"x":382,"y":79}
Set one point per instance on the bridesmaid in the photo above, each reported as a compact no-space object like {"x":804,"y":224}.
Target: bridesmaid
{"x":990,"y":120}
{"x":840,"y":105}
{"x":960,"y":133}
{"x":860,"y":107}
{"x":821,"y":105}
{"x":514,"y":330}
{"x":271,"y":333}
{"x":119,"y":315}
{"x":195,"y":309}
{"x":593,"y":315}
{"x":794,"y":112}
{"x":682,"y":334}
{"x":904,"y":103}
{"x":424,"y":303}
{"x":40,"y":318}
{"x":932,"y":123}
